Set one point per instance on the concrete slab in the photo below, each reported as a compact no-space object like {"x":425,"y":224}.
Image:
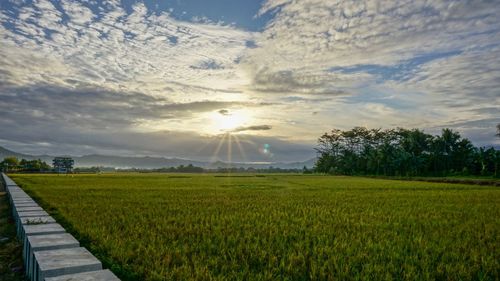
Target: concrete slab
{"x":52,"y":241}
{"x":8,"y":181}
{"x":25,"y":207}
{"x":32,"y":213}
{"x":42,"y":229}
{"x":28,"y":204}
{"x":14,"y":201}
{"x":28,"y":214}
{"x":17,"y":194}
{"x":37,"y":220}
{"x":18,"y":201}
{"x":22,"y":201}
{"x":15,"y":189}
{"x":54,"y":263}
{"x":101,"y":275}
{"x":20,"y":198}
{"x":37,"y":243}
{"x":26,"y":221}
{"x":28,"y":208}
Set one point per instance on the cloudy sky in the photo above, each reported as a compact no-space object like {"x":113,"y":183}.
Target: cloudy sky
{"x":259,"y":80}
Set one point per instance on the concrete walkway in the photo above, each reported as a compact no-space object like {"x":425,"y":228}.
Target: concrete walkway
{"x":49,"y":252}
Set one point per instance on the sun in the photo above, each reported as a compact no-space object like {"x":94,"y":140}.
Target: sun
{"x":227,"y":121}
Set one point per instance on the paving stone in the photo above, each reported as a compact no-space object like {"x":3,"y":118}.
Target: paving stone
{"x":18,"y":197}
{"x":37,"y":243}
{"x":32,"y":213}
{"x":37,"y":220}
{"x":8,"y":181}
{"x":49,"y":252}
{"x":26,"y":207}
{"x":27,"y":221}
{"x":15,"y":201}
{"x":42,"y":229}
{"x":29,"y":208}
{"x":26,"y":204}
{"x":101,"y":275}
{"x":29,"y":214}
{"x":22,"y":201}
{"x":54,"y":263}
{"x":15,"y":189}
{"x":18,"y":192}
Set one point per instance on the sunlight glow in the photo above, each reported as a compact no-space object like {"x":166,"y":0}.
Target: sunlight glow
{"x":229,"y":121}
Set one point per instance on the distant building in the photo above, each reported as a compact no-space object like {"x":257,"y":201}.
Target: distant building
{"x":63,"y":165}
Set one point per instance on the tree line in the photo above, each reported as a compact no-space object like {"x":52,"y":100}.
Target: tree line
{"x":195,"y":169}
{"x":12,"y":164}
{"x":403,"y":152}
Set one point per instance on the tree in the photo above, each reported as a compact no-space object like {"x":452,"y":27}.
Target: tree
{"x":402,"y":152}
{"x":36,"y":165}
{"x":10,"y":164}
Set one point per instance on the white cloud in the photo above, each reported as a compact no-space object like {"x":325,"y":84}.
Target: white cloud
{"x":78,"y":13}
{"x":311,"y":57}
{"x":449,"y":48}
{"x":315,"y":35}
{"x":125,"y":51}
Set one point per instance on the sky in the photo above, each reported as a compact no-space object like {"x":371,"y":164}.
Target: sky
{"x":241,"y":80}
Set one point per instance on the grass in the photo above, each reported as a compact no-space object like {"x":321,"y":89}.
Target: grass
{"x":277,"y":227}
{"x":11,"y":264}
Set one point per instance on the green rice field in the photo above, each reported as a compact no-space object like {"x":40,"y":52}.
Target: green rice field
{"x":277,"y":227}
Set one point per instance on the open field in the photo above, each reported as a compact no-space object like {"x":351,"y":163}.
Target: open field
{"x":287,"y":227}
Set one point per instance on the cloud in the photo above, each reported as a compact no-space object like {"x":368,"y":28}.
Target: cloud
{"x":252,"y":128}
{"x":306,"y":39}
{"x":208,"y":65}
{"x":469,"y":79}
{"x":102,"y":44}
{"x":223,"y":112}
{"x":90,"y":71}
{"x":389,"y":63}
{"x":191,"y":145}
{"x":87,"y":106}
{"x":288,"y":81}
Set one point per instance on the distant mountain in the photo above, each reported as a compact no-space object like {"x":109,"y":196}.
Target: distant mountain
{"x":133,"y":162}
{"x":294,"y":165}
{"x":148,"y":162}
{"x":4,"y":152}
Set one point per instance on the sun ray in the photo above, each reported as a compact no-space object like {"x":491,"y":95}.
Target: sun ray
{"x":217,"y":150}
{"x":229,"y":150}
{"x":240,"y":148}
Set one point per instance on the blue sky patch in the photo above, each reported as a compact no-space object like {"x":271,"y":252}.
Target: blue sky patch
{"x":241,"y":13}
{"x":399,"y":72}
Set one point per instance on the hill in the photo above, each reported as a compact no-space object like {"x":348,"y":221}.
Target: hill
{"x":149,"y":162}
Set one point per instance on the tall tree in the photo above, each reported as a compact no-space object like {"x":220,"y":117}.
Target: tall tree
{"x":402,"y":152}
